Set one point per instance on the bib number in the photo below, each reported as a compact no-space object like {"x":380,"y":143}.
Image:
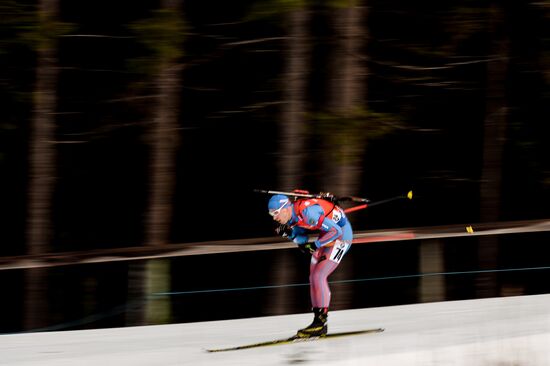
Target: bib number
{"x":338,"y":251}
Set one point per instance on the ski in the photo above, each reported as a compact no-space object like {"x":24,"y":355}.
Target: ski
{"x":296,"y":339}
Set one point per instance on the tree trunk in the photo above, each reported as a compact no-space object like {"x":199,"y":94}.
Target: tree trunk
{"x":42,"y":169}
{"x":292,"y":135}
{"x":348,"y":94}
{"x":292,"y":146}
{"x":163,"y":155}
{"x":163,"y":172}
{"x":154,"y":276}
{"x":432,"y":288}
{"x":496,"y":116}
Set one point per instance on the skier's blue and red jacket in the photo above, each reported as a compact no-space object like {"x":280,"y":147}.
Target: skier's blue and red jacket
{"x":315,"y":214}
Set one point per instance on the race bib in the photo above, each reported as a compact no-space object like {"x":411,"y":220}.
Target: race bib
{"x":338,"y":251}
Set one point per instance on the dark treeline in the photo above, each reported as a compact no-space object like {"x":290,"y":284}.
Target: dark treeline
{"x":160,"y":114}
{"x":133,"y":123}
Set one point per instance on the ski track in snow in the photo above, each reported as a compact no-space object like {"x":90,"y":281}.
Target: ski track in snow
{"x":508,"y":331}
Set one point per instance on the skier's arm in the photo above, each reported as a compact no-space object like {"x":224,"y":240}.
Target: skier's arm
{"x":330,"y":231}
{"x":296,"y":234}
{"x":299,"y":235}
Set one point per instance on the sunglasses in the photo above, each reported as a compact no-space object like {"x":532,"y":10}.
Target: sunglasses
{"x":274,"y":213}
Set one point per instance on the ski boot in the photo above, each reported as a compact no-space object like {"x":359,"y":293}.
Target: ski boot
{"x":318,"y":328}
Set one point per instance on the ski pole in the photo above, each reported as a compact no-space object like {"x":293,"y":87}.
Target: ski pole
{"x":375,"y":203}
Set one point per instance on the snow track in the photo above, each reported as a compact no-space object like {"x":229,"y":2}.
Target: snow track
{"x":488,"y":332}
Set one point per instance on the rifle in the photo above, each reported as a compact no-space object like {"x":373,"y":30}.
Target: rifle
{"x":298,"y":193}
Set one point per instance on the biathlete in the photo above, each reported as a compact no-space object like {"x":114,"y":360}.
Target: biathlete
{"x":307,"y":216}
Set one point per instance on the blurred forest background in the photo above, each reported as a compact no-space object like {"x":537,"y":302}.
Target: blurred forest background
{"x":148,"y":123}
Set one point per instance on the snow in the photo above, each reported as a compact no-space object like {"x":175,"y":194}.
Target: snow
{"x":508,"y":331}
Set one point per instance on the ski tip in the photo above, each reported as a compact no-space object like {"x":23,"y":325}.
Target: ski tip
{"x":374,"y":330}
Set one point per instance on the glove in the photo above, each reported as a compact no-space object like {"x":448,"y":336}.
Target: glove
{"x":283,"y":230}
{"x":308,"y":248}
